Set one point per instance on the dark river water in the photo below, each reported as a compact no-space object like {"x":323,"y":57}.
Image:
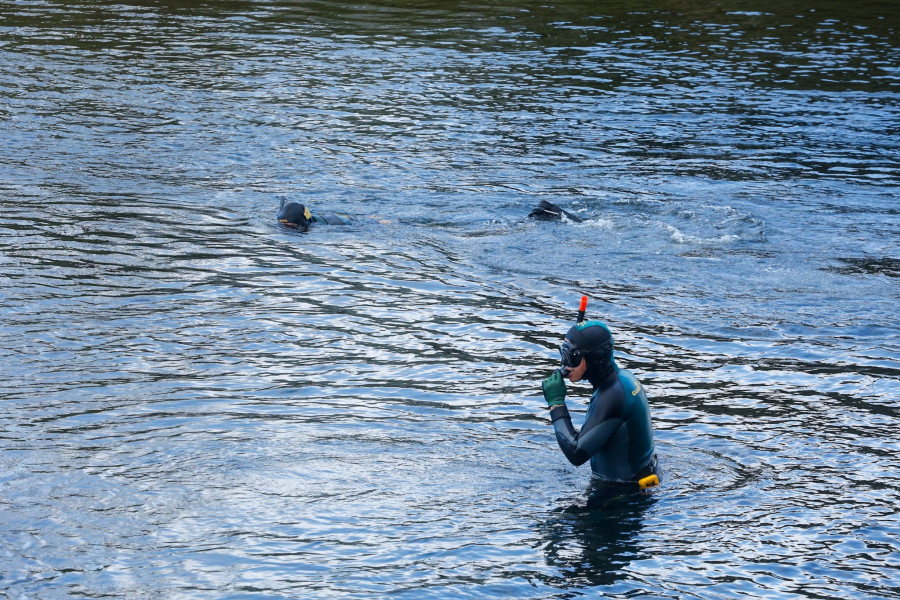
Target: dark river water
{"x":198,"y":403}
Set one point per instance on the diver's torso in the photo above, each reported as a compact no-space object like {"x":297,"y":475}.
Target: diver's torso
{"x":631,"y":446}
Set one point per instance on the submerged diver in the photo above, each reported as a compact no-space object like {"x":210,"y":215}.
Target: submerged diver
{"x":617,"y":436}
{"x":297,"y":216}
{"x":547,"y":211}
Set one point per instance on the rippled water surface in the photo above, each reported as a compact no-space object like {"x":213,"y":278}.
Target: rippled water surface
{"x":197,"y":403}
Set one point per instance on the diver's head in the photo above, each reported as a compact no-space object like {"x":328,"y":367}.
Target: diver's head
{"x":588,"y":352}
{"x":294,"y":214}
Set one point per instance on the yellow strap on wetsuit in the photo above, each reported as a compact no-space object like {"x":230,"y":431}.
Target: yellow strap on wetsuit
{"x":648,"y":482}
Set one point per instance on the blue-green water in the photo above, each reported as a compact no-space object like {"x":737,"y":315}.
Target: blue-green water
{"x":196,"y":403}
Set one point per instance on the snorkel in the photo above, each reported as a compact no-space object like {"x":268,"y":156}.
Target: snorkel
{"x":582,"y":306}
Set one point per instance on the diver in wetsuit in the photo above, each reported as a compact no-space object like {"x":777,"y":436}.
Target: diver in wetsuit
{"x":547,"y":211}
{"x":297,"y":216}
{"x":617,"y":436}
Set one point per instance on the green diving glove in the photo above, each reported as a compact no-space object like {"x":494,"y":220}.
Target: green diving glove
{"x":554,"y":390}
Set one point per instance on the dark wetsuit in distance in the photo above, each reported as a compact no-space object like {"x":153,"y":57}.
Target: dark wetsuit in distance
{"x":296,"y":215}
{"x":547,"y":211}
{"x":617,"y":436}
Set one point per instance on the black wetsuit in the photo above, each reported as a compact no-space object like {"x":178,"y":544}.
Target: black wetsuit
{"x":617,"y":436}
{"x":297,"y":216}
{"x":547,"y":211}
{"x":330,"y":219}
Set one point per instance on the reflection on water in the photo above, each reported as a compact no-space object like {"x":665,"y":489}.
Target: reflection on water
{"x":199,"y":403}
{"x":590,"y":543}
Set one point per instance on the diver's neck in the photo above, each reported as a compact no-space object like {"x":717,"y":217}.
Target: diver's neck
{"x":604,"y":379}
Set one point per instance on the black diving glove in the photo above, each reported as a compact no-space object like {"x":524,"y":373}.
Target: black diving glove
{"x":554,"y":390}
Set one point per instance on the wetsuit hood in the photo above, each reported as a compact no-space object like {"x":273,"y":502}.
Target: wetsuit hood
{"x":294,"y":214}
{"x":595,"y":341}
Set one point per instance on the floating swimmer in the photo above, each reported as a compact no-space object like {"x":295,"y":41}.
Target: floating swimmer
{"x":297,"y":216}
{"x":546,"y":211}
{"x":617,"y":436}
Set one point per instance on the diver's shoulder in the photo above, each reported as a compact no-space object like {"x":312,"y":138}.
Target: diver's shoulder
{"x":629,"y":381}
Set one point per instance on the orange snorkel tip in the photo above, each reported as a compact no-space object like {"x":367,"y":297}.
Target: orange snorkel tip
{"x":581,"y":308}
